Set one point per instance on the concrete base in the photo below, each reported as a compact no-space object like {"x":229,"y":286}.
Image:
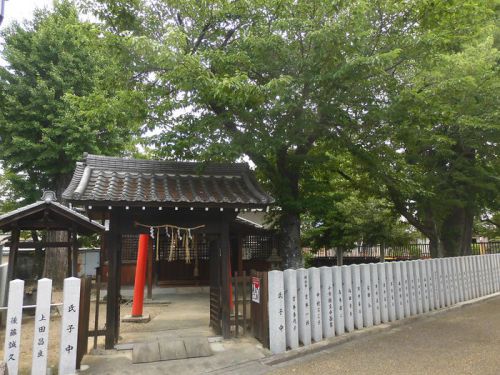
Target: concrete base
{"x":136,"y":319}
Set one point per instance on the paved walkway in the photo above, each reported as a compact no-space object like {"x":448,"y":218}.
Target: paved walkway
{"x":463,"y":340}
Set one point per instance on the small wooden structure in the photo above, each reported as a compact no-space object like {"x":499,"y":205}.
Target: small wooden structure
{"x":139,"y":196}
{"x":46,"y":214}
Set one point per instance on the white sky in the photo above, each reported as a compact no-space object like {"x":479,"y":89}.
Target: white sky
{"x":19,"y":10}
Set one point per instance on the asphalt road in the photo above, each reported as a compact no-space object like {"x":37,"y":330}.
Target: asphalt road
{"x":465,"y":340}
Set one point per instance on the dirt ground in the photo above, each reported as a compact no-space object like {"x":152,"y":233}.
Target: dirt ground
{"x":28,"y":325}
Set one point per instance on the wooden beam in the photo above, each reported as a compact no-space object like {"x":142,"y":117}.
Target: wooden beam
{"x":225,"y":280}
{"x":13,"y":248}
{"x":149,"y":271}
{"x":33,"y":245}
{"x":74,"y":255}
{"x":240,"y":254}
{"x":70,"y":256}
{"x":114,"y":282}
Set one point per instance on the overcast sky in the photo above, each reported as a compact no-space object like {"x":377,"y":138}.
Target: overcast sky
{"x":19,"y":10}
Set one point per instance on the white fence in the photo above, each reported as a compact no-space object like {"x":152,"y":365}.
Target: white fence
{"x":69,"y":327}
{"x":317,"y":303}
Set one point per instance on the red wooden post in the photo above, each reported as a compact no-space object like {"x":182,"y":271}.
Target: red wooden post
{"x":140,"y":275}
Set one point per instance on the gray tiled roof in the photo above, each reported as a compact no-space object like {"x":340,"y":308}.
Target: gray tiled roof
{"x":117,"y":180}
{"x":26,"y":211}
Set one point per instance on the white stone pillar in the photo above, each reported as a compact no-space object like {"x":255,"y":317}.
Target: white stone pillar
{"x":69,"y":326}
{"x":479,"y":276}
{"x":348,"y":298}
{"x":276,"y":308}
{"x":424,"y":285}
{"x":41,"y":333}
{"x":366,"y":295}
{"x":412,"y":287}
{"x":356,"y":295}
{"x":456,"y":271}
{"x":327,"y":301}
{"x":451,"y":279}
{"x":303,"y":306}
{"x":458,"y":280}
{"x":391,"y":302}
{"x":473,"y":276}
{"x":446,"y":279}
{"x":338,"y":301}
{"x":291,"y":309}
{"x":375,"y":294}
{"x":430,"y":283}
{"x":492,"y":268}
{"x":418,"y":286}
{"x":462,"y":279}
{"x":398,"y":290}
{"x":382,"y":286}
{"x":438,"y":284}
{"x":468,"y":277}
{"x":315,"y":298}
{"x":406,"y":287}
{"x":496,"y":272}
{"x":491,"y":287}
{"x":13,"y":326}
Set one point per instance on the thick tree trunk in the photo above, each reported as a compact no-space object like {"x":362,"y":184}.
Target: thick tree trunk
{"x":289,"y":192}
{"x":291,"y":250}
{"x":456,"y":232}
{"x":38,"y":263}
{"x":56,"y":259}
{"x":436,"y":247}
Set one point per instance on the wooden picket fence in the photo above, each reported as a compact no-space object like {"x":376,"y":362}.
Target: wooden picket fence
{"x":70,"y":320}
{"x":318,"y":303}
{"x":240,"y":314}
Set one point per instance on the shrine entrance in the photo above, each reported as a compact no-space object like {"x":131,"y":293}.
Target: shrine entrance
{"x":132,"y":196}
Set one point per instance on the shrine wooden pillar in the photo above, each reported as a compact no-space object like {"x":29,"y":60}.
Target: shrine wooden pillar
{"x":14,"y":247}
{"x":225,"y":279}
{"x":240,"y":254}
{"x":74,"y":253}
{"x":114,"y":281}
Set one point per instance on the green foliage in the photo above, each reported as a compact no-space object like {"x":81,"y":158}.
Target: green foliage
{"x":409,"y":89}
{"x":65,"y":90}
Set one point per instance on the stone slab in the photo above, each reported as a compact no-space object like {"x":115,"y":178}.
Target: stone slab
{"x":327,"y":301}
{"x":375,"y":293}
{"x":348,"y":298}
{"x":315,"y":298}
{"x":276,"y":309}
{"x":145,"y":352}
{"x":291,"y":309}
{"x":356,"y":295}
{"x":171,"y":349}
{"x":303,"y":306}
{"x":195,"y":347}
{"x":136,"y":319}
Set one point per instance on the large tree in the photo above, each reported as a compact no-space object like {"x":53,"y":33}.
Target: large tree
{"x":64,"y":91}
{"x":437,"y":155}
{"x":273,"y":79}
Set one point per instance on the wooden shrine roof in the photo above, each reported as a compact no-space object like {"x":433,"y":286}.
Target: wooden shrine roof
{"x":103,"y":180}
{"x":48,"y":214}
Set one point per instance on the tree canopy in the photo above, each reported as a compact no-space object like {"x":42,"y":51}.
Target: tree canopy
{"x":64,"y":91}
{"x":277,"y":80}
